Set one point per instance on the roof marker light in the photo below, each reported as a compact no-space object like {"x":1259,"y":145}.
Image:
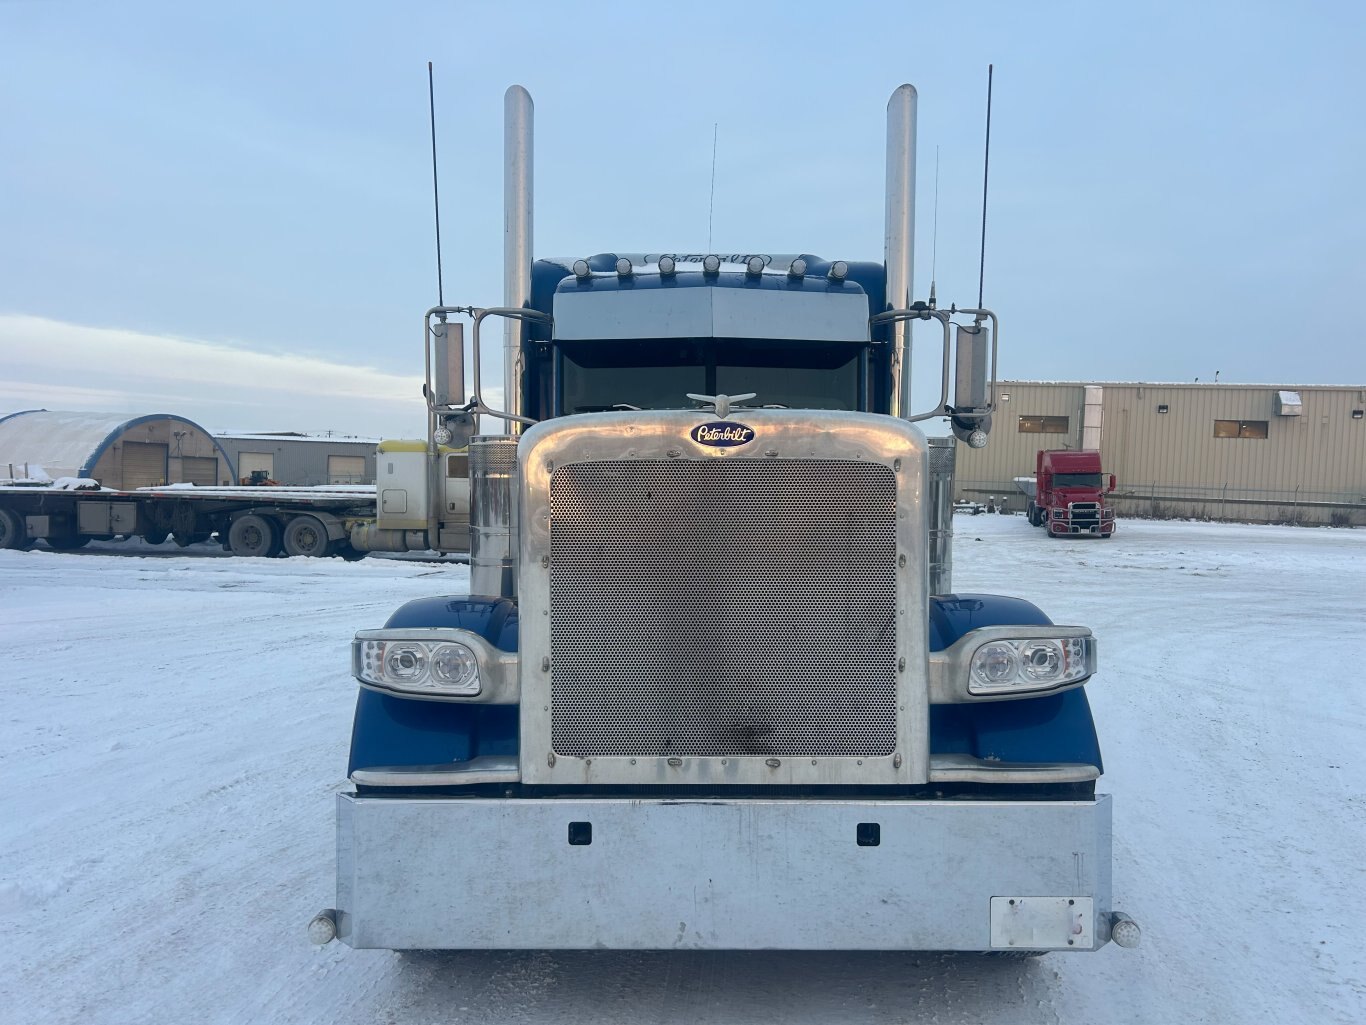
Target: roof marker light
{"x":581,"y":269}
{"x":624,"y":268}
{"x":839,"y":270}
{"x":798,"y":268}
{"x":754,"y":266}
{"x":711,"y":265}
{"x":667,"y":266}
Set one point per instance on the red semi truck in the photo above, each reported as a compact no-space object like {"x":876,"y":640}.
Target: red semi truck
{"x":1069,"y":494}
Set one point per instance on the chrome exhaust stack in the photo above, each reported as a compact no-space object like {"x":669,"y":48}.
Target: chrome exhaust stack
{"x":518,"y":115}
{"x":899,"y":256}
{"x":493,"y":457}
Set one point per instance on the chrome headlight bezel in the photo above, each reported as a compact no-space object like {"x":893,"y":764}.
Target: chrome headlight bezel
{"x":494,"y":677}
{"x":1023,"y":656}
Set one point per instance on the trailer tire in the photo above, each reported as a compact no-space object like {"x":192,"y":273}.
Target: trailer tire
{"x":306,"y":536}
{"x":68,"y":542}
{"x":254,"y":537}
{"x":155,"y":535}
{"x":12,"y":532}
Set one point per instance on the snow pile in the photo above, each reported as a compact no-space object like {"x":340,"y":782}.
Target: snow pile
{"x":175,"y":727}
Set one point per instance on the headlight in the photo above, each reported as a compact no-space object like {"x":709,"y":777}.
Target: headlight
{"x":436,"y":663}
{"x":419,"y":667}
{"x":1037,"y":663}
{"x":995,"y":663}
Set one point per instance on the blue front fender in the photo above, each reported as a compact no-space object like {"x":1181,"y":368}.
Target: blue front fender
{"x":393,"y":731}
{"x":1055,"y":728}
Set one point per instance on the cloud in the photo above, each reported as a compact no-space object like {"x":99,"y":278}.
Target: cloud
{"x":56,"y":365}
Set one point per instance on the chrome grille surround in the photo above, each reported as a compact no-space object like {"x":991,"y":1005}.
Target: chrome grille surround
{"x":723,"y":615}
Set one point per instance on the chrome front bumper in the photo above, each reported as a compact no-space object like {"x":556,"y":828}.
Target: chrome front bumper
{"x":569,"y":873}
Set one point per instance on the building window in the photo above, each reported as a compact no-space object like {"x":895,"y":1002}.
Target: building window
{"x":1240,"y":428}
{"x":1043,"y":425}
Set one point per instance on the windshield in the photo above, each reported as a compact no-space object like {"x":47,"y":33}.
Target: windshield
{"x":1076,"y":480}
{"x":659,"y":374}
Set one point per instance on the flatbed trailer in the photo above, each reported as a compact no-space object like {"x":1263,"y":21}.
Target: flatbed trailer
{"x":247,"y":521}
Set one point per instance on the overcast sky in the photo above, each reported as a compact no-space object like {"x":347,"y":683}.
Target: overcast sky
{"x":224,"y":211}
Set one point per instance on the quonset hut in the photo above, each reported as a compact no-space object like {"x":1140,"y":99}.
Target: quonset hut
{"x":120,"y":451}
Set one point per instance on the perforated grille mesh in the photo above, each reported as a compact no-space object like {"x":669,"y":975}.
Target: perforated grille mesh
{"x":492,"y":454}
{"x":723,"y":608}
{"x":941,"y":453}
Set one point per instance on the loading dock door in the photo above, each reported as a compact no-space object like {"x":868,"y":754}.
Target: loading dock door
{"x":249,"y":462}
{"x":144,"y":465}
{"x":346,"y":470}
{"x":202,"y":471}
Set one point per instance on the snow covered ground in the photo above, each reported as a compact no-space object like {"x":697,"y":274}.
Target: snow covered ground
{"x":175,"y":723}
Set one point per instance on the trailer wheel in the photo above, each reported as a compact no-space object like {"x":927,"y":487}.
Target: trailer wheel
{"x":12,"y":532}
{"x":68,"y":543}
{"x":155,"y":535}
{"x":183,"y":524}
{"x":306,"y":536}
{"x":254,"y":536}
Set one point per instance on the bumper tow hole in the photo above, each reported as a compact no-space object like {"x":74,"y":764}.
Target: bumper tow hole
{"x":580,"y":834}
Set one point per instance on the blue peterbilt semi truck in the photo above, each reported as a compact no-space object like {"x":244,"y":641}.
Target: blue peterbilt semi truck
{"x":710,"y":686}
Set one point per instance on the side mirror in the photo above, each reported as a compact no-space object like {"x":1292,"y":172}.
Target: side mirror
{"x":971,"y":420}
{"x":448,"y":364}
{"x":973,"y":345}
{"x":1112,"y":483}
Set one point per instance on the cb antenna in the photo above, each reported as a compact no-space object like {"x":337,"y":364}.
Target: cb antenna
{"x":986,"y":166}
{"x":711,"y":203}
{"x":436,"y":194}
{"x":934,"y":244}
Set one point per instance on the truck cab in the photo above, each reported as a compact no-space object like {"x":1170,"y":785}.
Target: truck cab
{"x":1070,"y":494}
{"x":707,"y":662}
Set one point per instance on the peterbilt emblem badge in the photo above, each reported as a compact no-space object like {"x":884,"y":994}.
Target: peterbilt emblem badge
{"x":722,"y":434}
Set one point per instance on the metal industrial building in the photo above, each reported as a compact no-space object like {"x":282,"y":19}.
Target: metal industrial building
{"x":118,"y":450}
{"x":1261,"y":453}
{"x":300,"y":459}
